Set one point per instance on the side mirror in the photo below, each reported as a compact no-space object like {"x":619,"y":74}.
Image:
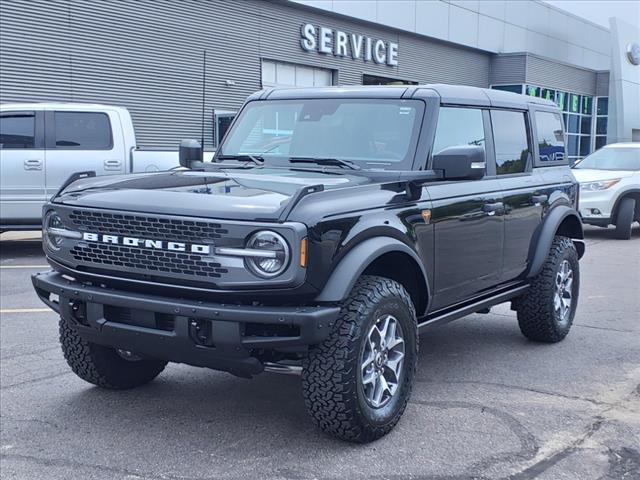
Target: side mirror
{"x":463,"y":162}
{"x":190,"y":151}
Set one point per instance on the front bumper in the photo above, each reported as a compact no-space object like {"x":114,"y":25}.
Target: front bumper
{"x":596,"y":207}
{"x":214,"y":335}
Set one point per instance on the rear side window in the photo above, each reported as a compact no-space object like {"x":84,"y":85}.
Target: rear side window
{"x":511,"y":142}
{"x":17,"y":130}
{"x":550,"y":137}
{"x":82,"y":131}
{"x":458,"y":126}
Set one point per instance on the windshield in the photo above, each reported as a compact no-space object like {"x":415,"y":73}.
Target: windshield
{"x":618,"y":158}
{"x":376,"y":131}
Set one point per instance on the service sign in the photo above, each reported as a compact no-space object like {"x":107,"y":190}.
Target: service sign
{"x":341,"y":44}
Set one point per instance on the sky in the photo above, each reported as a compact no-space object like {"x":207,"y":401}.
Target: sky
{"x":599,"y":11}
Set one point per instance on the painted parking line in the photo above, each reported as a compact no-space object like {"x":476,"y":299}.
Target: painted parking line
{"x":25,"y":310}
{"x":23,"y":266}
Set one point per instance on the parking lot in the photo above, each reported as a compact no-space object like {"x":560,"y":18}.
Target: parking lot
{"x":488,"y":404}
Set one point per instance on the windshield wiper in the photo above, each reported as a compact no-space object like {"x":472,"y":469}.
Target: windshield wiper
{"x":243,"y":158}
{"x":332,"y":162}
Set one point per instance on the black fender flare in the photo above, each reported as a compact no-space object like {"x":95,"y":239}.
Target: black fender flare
{"x":551,"y":224}
{"x":356,"y":261}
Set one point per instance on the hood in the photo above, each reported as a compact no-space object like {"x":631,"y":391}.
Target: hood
{"x":255,"y":194}
{"x":584,"y":175}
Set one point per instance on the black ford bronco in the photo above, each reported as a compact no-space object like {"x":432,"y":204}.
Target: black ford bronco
{"x":332,"y":227}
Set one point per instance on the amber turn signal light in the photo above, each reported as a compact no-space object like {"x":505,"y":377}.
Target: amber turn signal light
{"x":303,"y":252}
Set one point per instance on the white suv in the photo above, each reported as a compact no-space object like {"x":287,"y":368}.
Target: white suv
{"x":610,"y":187}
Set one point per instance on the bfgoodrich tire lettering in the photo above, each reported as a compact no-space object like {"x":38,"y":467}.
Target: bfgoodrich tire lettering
{"x":103,"y":366}
{"x":546,"y":311}
{"x":624,"y":218}
{"x":331,"y":375}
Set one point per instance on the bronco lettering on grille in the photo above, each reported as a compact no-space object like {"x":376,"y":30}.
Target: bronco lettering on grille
{"x":145,"y":243}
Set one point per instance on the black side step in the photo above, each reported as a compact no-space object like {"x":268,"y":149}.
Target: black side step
{"x":469,"y":308}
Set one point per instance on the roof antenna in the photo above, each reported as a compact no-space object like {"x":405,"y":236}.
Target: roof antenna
{"x":204,"y":85}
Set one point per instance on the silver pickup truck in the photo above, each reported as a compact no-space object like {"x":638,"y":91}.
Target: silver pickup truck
{"x":42,"y":144}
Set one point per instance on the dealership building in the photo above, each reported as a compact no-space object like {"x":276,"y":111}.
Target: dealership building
{"x":174,"y":63}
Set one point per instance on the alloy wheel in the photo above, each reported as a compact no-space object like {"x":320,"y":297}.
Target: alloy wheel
{"x":382,"y":361}
{"x":562,"y":298}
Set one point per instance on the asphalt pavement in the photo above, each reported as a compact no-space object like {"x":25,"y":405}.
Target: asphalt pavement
{"x":487,"y":404}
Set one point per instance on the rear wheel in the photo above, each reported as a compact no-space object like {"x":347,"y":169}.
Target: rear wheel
{"x":356,"y":384}
{"x":103,"y":366}
{"x":546,"y":311}
{"x":624,"y":218}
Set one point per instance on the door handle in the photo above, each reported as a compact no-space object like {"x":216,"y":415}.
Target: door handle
{"x":112,"y":164}
{"x":33,"y":164}
{"x":493,"y":208}
{"x":538,"y":199}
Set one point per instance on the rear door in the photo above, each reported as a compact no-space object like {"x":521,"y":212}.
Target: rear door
{"x":522,"y":197}
{"x":22,"y":167}
{"x":79,"y":141}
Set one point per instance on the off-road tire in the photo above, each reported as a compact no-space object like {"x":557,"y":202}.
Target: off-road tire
{"x":332,"y":387}
{"x":102,"y":366}
{"x":537,"y":318}
{"x":624,"y":218}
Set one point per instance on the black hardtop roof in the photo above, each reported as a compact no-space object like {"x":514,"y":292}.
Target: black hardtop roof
{"x":448,"y":94}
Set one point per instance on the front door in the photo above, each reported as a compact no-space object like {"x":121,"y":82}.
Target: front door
{"x":22,"y":167}
{"x":469,"y":226}
{"x":467,"y":216}
{"x":80,"y":141}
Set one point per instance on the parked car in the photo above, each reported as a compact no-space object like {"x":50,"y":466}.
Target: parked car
{"x":610,"y":187}
{"x":379,"y":212}
{"x":42,"y":144}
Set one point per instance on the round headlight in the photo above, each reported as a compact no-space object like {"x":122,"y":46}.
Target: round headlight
{"x":52,"y":222}
{"x":271,"y":254}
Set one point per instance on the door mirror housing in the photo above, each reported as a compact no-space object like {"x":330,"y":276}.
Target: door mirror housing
{"x":463,"y":162}
{"x":190,"y":151}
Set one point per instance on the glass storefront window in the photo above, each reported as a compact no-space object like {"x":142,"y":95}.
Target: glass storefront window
{"x":533,"y":91}
{"x":586,"y":105}
{"x":574,"y":103}
{"x":585,"y":124}
{"x":561,"y":100}
{"x":508,"y":88}
{"x":573,"y":124}
{"x":585,"y":145}
{"x":548,"y":94}
{"x":601,"y":126}
{"x":603,"y":106}
{"x":600,"y":142}
{"x":572,"y":145}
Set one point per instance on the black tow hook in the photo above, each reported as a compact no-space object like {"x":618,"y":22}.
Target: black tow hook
{"x":201,"y":332}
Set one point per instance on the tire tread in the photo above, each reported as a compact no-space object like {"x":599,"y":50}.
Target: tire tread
{"x":535,"y":315}
{"x":329,"y":383}
{"x":102,"y":366}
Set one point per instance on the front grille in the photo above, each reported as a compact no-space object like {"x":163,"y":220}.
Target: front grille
{"x":146,"y":226}
{"x":146,"y":259}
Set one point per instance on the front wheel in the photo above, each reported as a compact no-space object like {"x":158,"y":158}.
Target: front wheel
{"x":357,"y":383}
{"x":103,"y":366}
{"x":546,"y":310}
{"x":624,"y":218}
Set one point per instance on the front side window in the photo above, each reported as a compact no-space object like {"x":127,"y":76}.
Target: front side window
{"x":17,"y":130}
{"x":458,"y":126}
{"x":83,"y":131}
{"x":550,"y":137}
{"x":510,"y":139}
{"x":377,"y":131}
